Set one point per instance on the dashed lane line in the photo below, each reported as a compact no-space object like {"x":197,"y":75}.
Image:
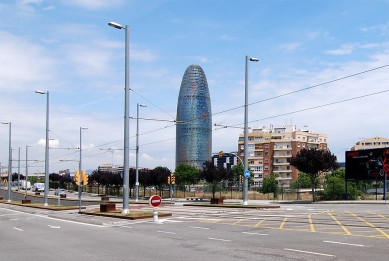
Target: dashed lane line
{"x":307,"y":252}
{"x":341,"y":243}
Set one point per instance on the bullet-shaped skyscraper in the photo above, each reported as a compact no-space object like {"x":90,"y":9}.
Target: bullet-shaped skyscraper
{"x":194,"y":130}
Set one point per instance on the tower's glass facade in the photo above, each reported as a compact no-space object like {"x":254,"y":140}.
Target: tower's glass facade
{"x":194,"y":138}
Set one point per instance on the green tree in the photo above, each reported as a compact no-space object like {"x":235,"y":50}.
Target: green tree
{"x":238,"y":171}
{"x":214,"y":174}
{"x":335,"y":187}
{"x":303,"y":181}
{"x":186,"y":174}
{"x":314,"y":162}
{"x":270,"y":185}
{"x":159,"y":176}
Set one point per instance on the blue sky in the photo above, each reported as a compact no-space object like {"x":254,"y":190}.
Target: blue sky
{"x":67,"y":48}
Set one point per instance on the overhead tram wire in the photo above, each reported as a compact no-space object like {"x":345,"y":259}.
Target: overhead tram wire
{"x":304,"y":89}
{"x":153,"y":104}
{"x":271,"y":98}
{"x":279,"y":115}
{"x":289,"y":93}
{"x":312,"y":108}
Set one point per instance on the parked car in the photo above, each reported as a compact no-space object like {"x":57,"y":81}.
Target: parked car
{"x":60,"y":192}
{"x":150,"y":188}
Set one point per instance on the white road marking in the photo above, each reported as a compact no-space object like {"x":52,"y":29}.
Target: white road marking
{"x":18,"y":229}
{"x":255,"y":234}
{"x":340,"y":243}
{"x":307,"y":252}
{"x":126,"y":226}
{"x":199,"y":227}
{"x":50,"y":226}
{"x":3,"y":215}
{"x":166,"y":232}
{"x":13,"y":219}
{"x":219,"y":239}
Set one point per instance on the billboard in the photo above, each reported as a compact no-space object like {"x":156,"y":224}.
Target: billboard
{"x":367,"y":164}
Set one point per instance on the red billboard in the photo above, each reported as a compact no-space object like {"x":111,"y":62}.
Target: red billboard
{"x":367,"y":164}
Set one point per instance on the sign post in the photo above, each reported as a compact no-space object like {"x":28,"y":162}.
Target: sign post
{"x":155,"y":201}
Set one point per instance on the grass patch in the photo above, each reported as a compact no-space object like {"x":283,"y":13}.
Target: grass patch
{"x":119,"y":213}
{"x":132,"y":215}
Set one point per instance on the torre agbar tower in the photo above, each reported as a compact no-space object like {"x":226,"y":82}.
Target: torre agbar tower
{"x":194,"y":128}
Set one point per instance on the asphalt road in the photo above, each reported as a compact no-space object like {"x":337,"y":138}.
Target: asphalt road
{"x":293,"y":232}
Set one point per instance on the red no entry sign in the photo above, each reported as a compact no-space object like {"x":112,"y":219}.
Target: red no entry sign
{"x":155,"y":200}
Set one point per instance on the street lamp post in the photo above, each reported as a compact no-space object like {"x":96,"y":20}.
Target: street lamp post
{"x":79,"y":172}
{"x":246,"y":139}
{"x":25,"y":197}
{"x":9,"y":164}
{"x":137,"y":151}
{"x":126,"y":209}
{"x":19,"y":171}
{"x":46,"y":149}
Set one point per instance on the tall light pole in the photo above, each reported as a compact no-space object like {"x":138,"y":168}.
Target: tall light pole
{"x":79,"y":172}
{"x":246,"y":139}
{"x":19,"y":171}
{"x":137,"y":151}
{"x":126,"y":183}
{"x":46,"y":149}
{"x":9,"y":163}
{"x":25,"y":197}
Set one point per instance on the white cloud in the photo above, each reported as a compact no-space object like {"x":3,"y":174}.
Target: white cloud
{"x":53,"y":143}
{"x":94,"y":4}
{"x":48,"y":8}
{"x":27,"y":5}
{"x":345,"y":49}
{"x":22,"y":62}
{"x":383,"y":28}
{"x":289,"y":46}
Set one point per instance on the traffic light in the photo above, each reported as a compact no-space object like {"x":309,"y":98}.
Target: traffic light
{"x":241,"y":179}
{"x":220,"y":154}
{"x":168,"y":179}
{"x":77,"y":177}
{"x":84,"y":177}
{"x":173,"y":179}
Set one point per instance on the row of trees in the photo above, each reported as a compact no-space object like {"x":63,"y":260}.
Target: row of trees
{"x":310,"y":162}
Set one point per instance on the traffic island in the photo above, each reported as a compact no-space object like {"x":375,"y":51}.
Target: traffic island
{"x":26,"y":201}
{"x":1,"y":198}
{"x":231,"y":206}
{"x":42,"y":206}
{"x":62,"y":196}
{"x":37,"y":193}
{"x":133,"y":215}
{"x":104,"y":198}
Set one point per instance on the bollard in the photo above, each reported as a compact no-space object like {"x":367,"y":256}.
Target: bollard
{"x":155,"y":212}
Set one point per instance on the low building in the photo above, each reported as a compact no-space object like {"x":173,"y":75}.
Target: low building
{"x":371,"y":143}
{"x":270,"y":150}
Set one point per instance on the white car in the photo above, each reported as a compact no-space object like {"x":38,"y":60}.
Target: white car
{"x":38,"y":187}
{"x":60,"y":192}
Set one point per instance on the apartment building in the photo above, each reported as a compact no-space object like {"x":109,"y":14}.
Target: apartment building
{"x":371,"y":143}
{"x":270,"y":150}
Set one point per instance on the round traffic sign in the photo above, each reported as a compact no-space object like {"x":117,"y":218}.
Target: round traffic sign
{"x":155,"y":200}
{"x":246,"y":174}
